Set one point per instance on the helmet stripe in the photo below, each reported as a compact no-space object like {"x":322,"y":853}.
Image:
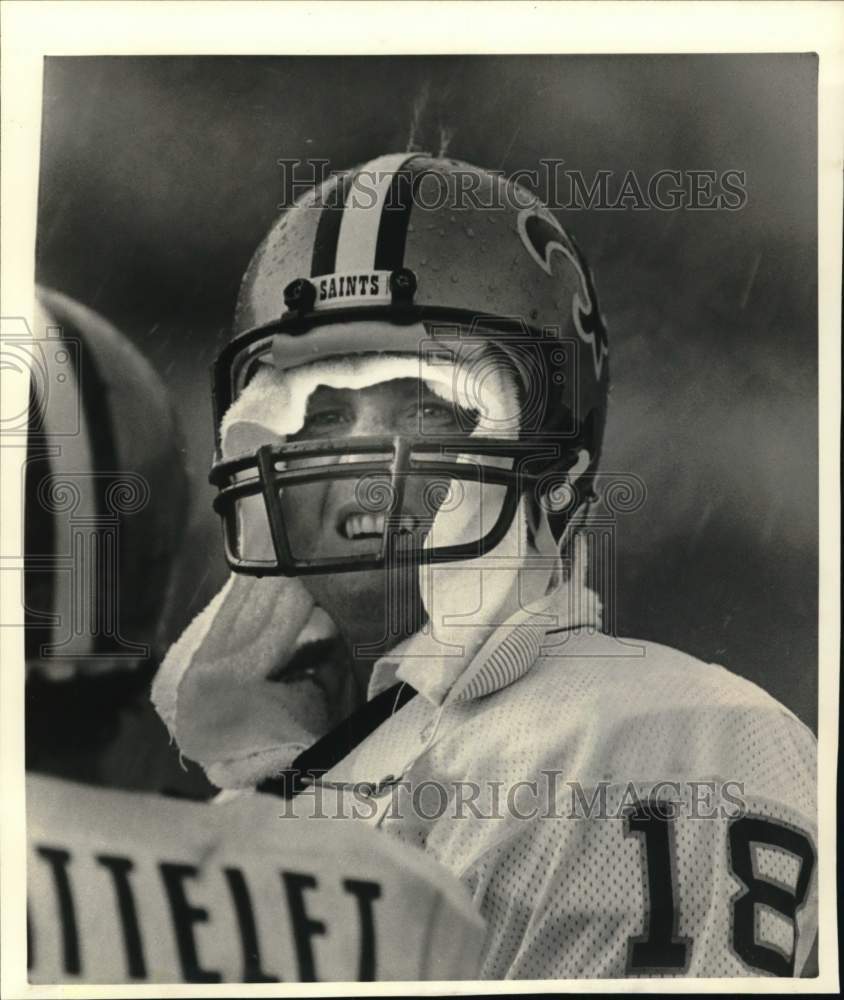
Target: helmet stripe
{"x":55,"y":408}
{"x":392,"y":229}
{"x":395,"y":222}
{"x":39,"y":532}
{"x":324,"y":256}
{"x":97,"y":425}
{"x":373,"y":188}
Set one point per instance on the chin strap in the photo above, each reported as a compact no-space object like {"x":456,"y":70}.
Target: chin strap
{"x":313,"y":763}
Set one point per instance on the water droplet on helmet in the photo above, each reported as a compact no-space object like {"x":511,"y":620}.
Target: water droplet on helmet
{"x":470,"y":232}
{"x":442,"y":232}
{"x":454,"y":279}
{"x":423,"y":262}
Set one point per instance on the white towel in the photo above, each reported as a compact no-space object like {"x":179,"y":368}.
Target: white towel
{"x":212,"y":689}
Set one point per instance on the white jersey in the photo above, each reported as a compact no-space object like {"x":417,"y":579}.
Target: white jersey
{"x":539,"y":768}
{"x":541,"y":791}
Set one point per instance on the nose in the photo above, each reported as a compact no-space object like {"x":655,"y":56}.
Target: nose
{"x":370,"y":421}
{"x":371,"y":492}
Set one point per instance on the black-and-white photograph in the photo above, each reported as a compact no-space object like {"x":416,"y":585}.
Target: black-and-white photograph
{"x":419,"y":547}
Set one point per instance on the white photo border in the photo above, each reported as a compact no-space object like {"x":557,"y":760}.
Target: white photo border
{"x":33,"y":29}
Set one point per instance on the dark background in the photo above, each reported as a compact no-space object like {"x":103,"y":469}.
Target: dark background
{"x":159,"y":177}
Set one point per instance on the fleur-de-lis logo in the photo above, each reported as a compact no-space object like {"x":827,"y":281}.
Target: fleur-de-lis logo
{"x":542,"y":235}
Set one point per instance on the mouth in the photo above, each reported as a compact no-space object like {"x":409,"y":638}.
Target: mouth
{"x":357,"y":525}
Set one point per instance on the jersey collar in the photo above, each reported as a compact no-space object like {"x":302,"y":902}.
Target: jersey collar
{"x":490,"y":659}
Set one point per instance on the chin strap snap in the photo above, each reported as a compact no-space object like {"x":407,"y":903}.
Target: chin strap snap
{"x":300,"y":296}
{"x":403,"y":286}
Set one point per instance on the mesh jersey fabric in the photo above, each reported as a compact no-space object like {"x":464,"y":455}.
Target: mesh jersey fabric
{"x":566,"y":894}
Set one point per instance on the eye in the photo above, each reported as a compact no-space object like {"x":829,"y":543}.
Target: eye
{"x":434,"y":414}
{"x":427,"y":415}
{"x":325,"y":421}
{"x":325,"y":417}
{"x":437,"y":411}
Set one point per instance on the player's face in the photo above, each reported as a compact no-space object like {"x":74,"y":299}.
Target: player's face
{"x":336,"y":517}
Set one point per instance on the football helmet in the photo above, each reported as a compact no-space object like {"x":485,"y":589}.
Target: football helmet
{"x":103,"y":449}
{"x":439,"y":261}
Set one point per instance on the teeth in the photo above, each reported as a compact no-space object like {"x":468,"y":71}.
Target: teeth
{"x":363,"y":524}
{"x":358,"y":525}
